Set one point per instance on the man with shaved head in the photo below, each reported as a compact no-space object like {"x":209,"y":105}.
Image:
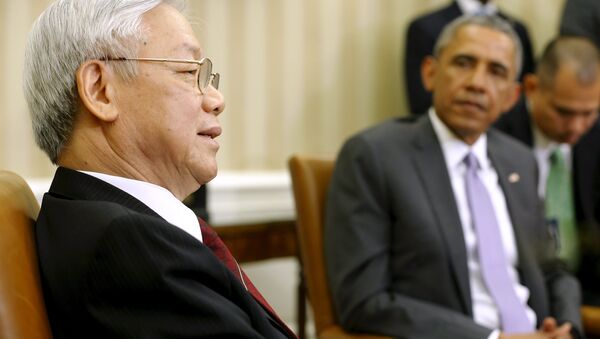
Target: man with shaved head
{"x":558,"y":120}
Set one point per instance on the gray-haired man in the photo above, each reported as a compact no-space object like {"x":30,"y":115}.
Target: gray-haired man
{"x":125,"y":102}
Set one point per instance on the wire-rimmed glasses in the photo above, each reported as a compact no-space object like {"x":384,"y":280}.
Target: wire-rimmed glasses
{"x":204,"y":75}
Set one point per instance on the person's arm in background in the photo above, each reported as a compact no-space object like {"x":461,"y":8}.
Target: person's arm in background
{"x":581,"y":18}
{"x":419,"y":44}
{"x":528,"y":58}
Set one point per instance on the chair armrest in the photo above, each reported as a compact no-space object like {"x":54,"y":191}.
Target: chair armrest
{"x":336,"y":332}
{"x":590,"y":316}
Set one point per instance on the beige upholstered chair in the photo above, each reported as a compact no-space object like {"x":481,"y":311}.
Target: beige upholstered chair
{"x":22,"y":310}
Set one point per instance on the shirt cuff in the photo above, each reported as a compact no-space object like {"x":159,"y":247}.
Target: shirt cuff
{"x":494,"y":335}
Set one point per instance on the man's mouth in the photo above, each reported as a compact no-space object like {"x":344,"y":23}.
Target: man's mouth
{"x":211,"y":132}
{"x":471,"y":104}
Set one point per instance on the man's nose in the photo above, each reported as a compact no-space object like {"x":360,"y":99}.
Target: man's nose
{"x":477,"y":78}
{"x":213,"y":101}
{"x":577,"y":125}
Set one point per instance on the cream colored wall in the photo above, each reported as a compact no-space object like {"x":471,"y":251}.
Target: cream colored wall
{"x":298,"y":75}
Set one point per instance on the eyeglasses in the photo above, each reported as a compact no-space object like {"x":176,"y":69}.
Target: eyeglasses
{"x":204,"y":75}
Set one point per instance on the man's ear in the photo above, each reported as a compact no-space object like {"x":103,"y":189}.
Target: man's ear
{"x":96,"y":90}
{"x":428,"y":69}
{"x":531,"y":83}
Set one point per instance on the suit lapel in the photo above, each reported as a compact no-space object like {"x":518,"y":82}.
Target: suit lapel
{"x":431,"y":166}
{"x":453,"y":10}
{"x":582,"y":168}
{"x":585,"y":162}
{"x":517,"y":123}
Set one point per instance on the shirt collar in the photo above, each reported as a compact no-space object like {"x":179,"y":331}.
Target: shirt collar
{"x":157,"y":198}
{"x":545,"y":146}
{"x":540,"y":140}
{"x":454,"y":149}
{"x":474,"y":7}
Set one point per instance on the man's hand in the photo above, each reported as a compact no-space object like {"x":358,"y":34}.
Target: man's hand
{"x":548,"y":330}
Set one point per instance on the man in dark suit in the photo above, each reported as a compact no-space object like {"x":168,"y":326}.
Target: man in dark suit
{"x":581,"y":18}
{"x":560,"y":115}
{"x":123,"y":101}
{"x":408,"y":241}
{"x":424,"y":31}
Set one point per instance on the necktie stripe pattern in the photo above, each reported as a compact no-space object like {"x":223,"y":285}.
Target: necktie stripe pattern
{"x":492,"y":258}
{"x":212,"y":240}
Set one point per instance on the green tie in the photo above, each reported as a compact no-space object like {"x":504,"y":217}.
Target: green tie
{"x":559,"y":209}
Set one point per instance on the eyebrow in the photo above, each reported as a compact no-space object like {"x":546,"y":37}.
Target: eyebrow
{"x":473,"y":58}
{"x":505,"y":68}
{"x":566,"y":110}
{"x":193,"y":49}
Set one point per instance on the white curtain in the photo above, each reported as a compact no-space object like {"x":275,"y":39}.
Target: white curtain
{"x":299,"y":76}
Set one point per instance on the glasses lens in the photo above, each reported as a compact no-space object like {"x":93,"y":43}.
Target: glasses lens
{"x":204,"y":74}
{"x":215,"y":80}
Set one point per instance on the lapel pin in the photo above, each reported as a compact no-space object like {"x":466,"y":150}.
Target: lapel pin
{"x":513,"y":178}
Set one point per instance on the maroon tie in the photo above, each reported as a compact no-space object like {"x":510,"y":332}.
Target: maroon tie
{"x":211,"y":239}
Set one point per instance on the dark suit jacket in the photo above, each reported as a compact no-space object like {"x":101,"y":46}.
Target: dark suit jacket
{"x":112,"y":268}
{"x":421,"y":37}
{"x":581,"y":18}
{"x":395,"y":252}
{"x":586,"y":161}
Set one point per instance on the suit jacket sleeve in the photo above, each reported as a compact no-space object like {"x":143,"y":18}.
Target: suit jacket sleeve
{"x":419,"y":44}
{"x":527,"y":49}
{"x":563,"y":289}
{"x":357,"y":248}
{"x":565,"y":299}
{"x":581,"y":18}
{"x":147,"y":281}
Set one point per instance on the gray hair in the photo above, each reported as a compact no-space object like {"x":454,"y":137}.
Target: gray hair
{"x":66,"y":34}
{"x":577,"y":51}
{"x":489,"y":21}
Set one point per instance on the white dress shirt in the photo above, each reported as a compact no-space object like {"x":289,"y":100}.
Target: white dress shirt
{"x":473,"y":7}
{"x":158,"y":199}
{"x":543,"y":148}
{"x":485,"y":311}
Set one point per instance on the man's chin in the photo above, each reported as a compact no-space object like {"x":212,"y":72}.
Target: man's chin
{"x":206,"y":174}
{"x":571,"y":140}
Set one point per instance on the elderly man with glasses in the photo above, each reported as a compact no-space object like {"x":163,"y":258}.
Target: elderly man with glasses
{"x":124,"y":102}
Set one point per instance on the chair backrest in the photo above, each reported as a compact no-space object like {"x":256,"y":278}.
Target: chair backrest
{"x":22,"y":310}
{"x":310,"y":179}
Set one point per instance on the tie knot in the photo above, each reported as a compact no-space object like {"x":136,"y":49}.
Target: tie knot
{"x":471,"y":161}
